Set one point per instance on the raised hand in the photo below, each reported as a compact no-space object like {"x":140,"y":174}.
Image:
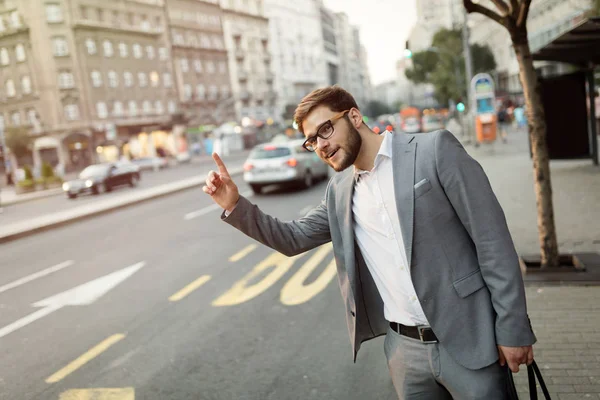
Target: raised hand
{"x":221,"y":187}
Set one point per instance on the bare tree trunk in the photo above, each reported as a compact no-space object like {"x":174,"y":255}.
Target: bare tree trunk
{"x":539,"y":149}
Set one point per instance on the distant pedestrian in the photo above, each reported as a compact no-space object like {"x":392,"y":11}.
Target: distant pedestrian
{"x":503,"y":123}
{"x":422,"y":248}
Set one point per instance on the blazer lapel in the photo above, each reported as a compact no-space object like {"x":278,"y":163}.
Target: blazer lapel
{"x":403,"y":157}
{"x":345,"y":192}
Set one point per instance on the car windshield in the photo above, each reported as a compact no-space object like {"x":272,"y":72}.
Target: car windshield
{"x":94,"y":170}
{"x":269,"y":152}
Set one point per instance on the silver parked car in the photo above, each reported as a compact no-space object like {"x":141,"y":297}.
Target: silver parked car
{"x":283,"y":162}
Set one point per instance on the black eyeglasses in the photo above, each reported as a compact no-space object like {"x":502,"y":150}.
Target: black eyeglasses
{"x":324,"y":131}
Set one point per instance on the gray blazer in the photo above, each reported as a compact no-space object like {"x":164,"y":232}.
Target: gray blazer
{"x":463,"y":263}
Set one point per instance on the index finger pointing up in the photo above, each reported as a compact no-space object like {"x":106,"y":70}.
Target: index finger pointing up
{"x":220,"y":164}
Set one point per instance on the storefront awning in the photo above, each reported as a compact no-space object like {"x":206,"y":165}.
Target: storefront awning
{"x":580,"y":45}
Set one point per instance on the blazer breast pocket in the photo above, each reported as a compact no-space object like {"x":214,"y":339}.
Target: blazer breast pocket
{"x":422,"y":187}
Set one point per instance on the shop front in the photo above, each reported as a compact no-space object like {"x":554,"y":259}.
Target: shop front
{"x":78,"y":151}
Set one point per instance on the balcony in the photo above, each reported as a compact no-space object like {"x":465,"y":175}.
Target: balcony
{"x":117,"y":27}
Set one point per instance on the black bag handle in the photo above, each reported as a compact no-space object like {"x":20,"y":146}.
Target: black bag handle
{"x":532,"y":372}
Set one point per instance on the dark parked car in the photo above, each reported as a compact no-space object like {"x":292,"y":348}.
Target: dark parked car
{"x":100,"y":178}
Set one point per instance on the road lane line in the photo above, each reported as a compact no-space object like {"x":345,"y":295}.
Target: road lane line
{"x":243,"y":253}
{"x":209,"y":209}
{"x":190,"y":288}
{"x":85,"y":358}
{"x":242,"y":291}
{"x":99,"y":394}
{"x":295,"y":292}
{"x":27,"y":320}
{"x":36,"y":275}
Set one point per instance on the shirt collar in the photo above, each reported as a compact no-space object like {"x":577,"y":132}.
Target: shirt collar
{"x":385,"y":150}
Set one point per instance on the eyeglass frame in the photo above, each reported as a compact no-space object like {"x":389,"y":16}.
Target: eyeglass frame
{"x":330,"y":121}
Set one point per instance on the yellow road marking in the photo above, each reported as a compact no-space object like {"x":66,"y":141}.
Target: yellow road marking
{"x":99,"y":394}
{"x":296,"y":292}
{"x":190,"y":288}
{"x":85,"y":358}
{"x":241,"y":292}
{"x":243,"y":253}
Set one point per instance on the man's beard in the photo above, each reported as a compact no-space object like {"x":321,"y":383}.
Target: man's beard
{"x":350,"y":149}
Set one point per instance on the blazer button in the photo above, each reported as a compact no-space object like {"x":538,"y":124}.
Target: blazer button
{"x":352,"y":312}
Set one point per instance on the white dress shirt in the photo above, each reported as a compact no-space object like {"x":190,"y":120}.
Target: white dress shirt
{"x":379,"y":237}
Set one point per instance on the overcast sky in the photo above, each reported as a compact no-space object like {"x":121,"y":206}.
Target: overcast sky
{"x":384,"y":27}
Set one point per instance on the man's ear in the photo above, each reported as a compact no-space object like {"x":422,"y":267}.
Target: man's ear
{"x":355,"y":117}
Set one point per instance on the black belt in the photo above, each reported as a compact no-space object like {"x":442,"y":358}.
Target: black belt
{"x":422,"y":333}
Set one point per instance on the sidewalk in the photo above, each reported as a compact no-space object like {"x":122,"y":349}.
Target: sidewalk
{"x":565,"y":319}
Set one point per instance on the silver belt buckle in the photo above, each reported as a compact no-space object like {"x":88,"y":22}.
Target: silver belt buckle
{"x":420,"y":330}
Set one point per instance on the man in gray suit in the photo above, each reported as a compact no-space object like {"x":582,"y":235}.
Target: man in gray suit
{"x":422,"y":248}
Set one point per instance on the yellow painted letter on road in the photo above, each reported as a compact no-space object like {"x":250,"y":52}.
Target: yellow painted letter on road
{"x":296,"y":292}
{"x":242,"y":291}
{"x":99,"y":394}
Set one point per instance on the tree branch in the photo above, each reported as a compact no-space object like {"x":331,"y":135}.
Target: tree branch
{"x":502,"y":6}
{"x":476,"y":8}
{"x":514,"y":8}
{"x":523,"y":12}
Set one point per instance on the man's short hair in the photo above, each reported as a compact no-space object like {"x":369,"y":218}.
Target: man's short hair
{"x":334,"y":97}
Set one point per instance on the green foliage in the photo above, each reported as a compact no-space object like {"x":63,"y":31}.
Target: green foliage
{"x":18,"y":141}
{"x":27,"y":184}
{"x":47,"y":171}
{"x":376,"y":108}
{"x":28,"y":173}
{"x":445,"y":66}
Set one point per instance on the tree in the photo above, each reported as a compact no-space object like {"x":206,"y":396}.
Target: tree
{"x":18,"y":141}
{"x":444,"y":67}
{"x":512,"y":15}
{"x":376,"y":108}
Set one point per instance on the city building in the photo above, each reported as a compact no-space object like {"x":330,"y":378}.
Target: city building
{"x":250,"y":62}
{"x":86,"y":77}
{"x":332,"y":58}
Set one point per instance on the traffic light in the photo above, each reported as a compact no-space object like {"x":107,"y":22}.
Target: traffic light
{"x":460,"y":107}
{"x":408,"y":53}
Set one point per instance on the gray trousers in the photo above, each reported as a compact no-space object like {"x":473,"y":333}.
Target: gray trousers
{"x":425,"y":371}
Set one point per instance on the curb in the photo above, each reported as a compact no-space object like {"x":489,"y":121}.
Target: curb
{"x":41,"y":195}
{"x":51,"y":221}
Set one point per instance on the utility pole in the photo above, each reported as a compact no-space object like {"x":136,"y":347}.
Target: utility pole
{"x":468,"y":72}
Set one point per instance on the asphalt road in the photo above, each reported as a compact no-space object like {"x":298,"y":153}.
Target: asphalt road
{"x":176,"y":316}
{"x":35,"y":208}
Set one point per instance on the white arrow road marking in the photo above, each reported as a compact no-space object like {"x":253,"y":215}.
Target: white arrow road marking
{"x":35,"y":276}
{"x":78,"y":296}
{"x":211,"y":208}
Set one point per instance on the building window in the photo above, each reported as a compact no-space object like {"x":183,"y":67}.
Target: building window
{"x":101,"y":110}
{"x":53,"y":13}
{"x":222,"y":68}
{"x":172,"y":107}
{"x":137,"y":51}
{"x":200,"y":92}
{"x":217,"y":42}
{"x":147,"y":107}
{"x":15,"y":19}
{"x":96,"y":79}
{"x":150,"y":52}
{"x":4,"y":57}
{"x":205,"y":41}
{"x":10,"y":88}
{"x":145,"y":25}
{"x":26,"y":85}
{"x":128,"y":79}
{"x":187,"y":92}
{"x":108,"y":48}
{"x":132,"y":108}
{"x":66,"y":80}
{"x":123,"y":51}
{"x":178,"y":38}
{"x":163,"y":54}
{"x":167,"y":80}
{"x":224,"y":92}
{"x":20,"y":53}
{"x":90,"y":44}
{"x":142,"y":79}
{"x":118,"y":109}
{"x":15,"y":118}
{"x":198,"y":66}
{"x":32,"y":117}
{"x":72,"y":112}
{"x":59,"y":44}
{"x":158,"y":107}
{"x":210,"y":67}
{"x":185,"y":66}
{"x":154,"y":81}
{"x":113,"y":79}
{"x":213,"y":93}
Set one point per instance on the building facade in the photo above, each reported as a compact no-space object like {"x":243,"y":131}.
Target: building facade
{"x":250,"y":62}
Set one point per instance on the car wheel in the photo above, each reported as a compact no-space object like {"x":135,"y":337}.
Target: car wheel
{"x":308,"y":180}
{"x":257,"y":189}
{"x":71,"y":195}
{"x":99,"y":188}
